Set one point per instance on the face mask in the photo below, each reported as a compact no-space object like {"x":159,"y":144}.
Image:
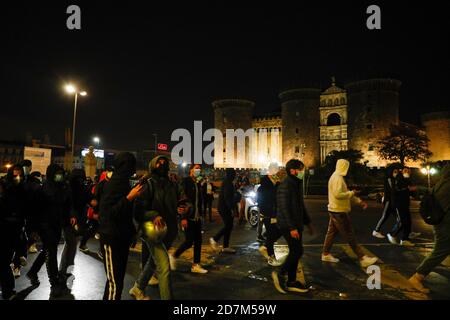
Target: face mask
{"x":162,"y":171}
{"x":59,"y":178}
{"x":197,"y":172}
{"x":109,"y":175}
{"x":300,"y":175}
{"x":17,"y":179}
{"x":406,"y":175}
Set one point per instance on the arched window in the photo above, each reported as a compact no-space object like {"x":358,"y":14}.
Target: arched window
{"x":333,"y":120}
{"x":322,"y":103}
{"x":330,"y":102}
{"x":336,"y":102}
{"x":342,"y":100}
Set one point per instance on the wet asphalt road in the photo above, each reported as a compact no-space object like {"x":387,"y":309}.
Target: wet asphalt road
{"x":245,"y":275}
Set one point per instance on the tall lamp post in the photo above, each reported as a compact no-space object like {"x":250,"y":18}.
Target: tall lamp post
{"x":429,"y":172}
{"x":71,"y":89}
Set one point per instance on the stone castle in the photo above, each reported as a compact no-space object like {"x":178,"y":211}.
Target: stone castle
{"x":312,"y":123}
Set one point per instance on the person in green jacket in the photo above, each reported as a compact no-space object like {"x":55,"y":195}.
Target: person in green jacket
{"x":441,"y":248}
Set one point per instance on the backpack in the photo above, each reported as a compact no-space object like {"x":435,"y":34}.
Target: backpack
{"x":430,"y":209}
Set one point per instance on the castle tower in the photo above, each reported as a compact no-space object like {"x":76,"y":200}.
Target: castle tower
{"x":437,"y":127}
{"x":333,"y":120}
{"x":232,"y":114}
{"x":373,"y":106}
{"x":300,"y":125}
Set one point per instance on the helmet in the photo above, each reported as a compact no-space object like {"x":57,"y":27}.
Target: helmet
{"x":153,"y":233}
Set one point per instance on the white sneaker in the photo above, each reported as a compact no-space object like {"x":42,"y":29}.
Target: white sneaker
{"x":196,"y":268}
{"x":329,"y":258}
{"x":213,"y":244}
{"x":414,"y":235}
{"x":407,"y":243}
{"x":172,"y":262}
{"x":228,"y":250}
{"x":153,"y":281}
{"x":138,"y":294}
{"x":367,"y":261}
{"x":33,"y":249}
{"x":274,"y":262}
{"x":263,"y":251}
{"x":392,"y":239}
{"x":378,"y":235}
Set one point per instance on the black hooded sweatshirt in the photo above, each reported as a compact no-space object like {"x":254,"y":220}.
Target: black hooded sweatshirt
{"x":12,"y":200}
{"x":267,"y":198}
{"x":116,"y":219}
{"x":56,"y":199}
{"x":227,"y":195}
{"x":80,"y":193}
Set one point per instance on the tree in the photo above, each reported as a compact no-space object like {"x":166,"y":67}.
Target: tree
{"x":404,"y":143}
{"x":352,"y":155}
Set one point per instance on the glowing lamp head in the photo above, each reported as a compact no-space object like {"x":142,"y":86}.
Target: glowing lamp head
{"x":70,"y":89}
{"x":433,"y":171}
{"x":424,"y":170}
{"x":83,"y":93}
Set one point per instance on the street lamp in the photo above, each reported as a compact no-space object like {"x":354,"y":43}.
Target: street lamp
{"x":429,"y":172}
{"x":71,"y":89}
{"x":96,"y":141}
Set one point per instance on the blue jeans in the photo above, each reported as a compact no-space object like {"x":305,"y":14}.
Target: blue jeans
{"x":160,"y":256}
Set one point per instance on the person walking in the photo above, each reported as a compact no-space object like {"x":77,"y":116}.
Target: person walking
{"x":441,"y":250}
{"x":339,"y":207}
{"x":389,"y":199}
{"x":266,"y":196}
{"x":159,"y":203}
{"x":117,"y":229}
{"x":292,"y":217}
{"x":191,"y":218}
{"x":226,"y":207}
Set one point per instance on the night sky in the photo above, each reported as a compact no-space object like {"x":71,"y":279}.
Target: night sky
{"x":154,"y":68}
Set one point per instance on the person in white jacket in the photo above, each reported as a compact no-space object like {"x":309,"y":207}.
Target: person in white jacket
{"x":339,"y":206}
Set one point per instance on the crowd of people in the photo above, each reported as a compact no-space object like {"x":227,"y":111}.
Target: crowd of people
{"x":155,"y":209}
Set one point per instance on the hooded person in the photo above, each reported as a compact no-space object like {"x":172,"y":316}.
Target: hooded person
{"x":56,"y":204}
{"x":340,"y":201}
{"x":80,"y":200}
{"x":389,"y":199}
{"x":158,"y":205}
{"x":226,"y":206}
{"x":12,"y":215}
{"x":116,"y":223}
{"x":441,"y":250}
{"x":93,"y":212}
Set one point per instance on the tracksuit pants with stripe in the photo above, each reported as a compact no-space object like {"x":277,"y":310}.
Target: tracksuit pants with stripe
{"x":115,"y":257}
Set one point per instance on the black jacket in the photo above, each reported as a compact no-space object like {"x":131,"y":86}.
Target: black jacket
{"x":116,"y":212}
{"x":12,"y":201}
{"x":161,"y":196}
{"x":266,"y":196}
{"x":193,"y":198}
{"x":227,"y":197}
{"x":80,"y":194}
{"x":56,"y":200}
{"x":292,"y":213}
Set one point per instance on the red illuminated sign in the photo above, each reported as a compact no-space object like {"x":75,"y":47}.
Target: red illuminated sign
{"x":162,"y":146}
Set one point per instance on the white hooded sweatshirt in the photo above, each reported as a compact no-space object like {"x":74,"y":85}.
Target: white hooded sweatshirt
{"x":339,"y":197}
